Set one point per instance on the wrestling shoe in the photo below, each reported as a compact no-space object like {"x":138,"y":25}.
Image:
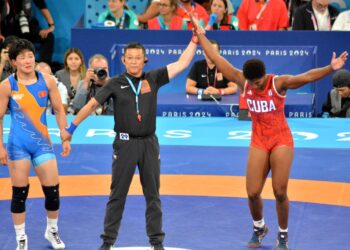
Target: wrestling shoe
{"x":258,"y":236}
{"x":55,"y":240}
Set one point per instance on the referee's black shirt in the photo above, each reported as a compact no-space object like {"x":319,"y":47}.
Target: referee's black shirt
{"x":125,"y":117}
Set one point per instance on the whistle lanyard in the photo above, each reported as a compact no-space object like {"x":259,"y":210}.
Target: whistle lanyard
{"x":214,"y":80}
{"x":136,"y":92}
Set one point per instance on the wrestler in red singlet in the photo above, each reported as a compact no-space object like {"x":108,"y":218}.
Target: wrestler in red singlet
{"x":269,"y":127}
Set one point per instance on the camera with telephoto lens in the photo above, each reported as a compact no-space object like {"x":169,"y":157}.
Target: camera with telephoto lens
{"x":23,"y":23}
{"x":100,"y":73}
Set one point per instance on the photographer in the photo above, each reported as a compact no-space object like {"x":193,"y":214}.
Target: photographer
{"x":96,"y":77}
{"x":18,"y":21}
{"x":6,"y":68}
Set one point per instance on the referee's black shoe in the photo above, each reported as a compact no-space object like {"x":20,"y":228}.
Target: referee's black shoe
{"x":158,"y":246}
{"x":105,"y":246}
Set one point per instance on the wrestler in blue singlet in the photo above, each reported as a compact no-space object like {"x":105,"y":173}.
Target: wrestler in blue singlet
{"x":29,"y":138}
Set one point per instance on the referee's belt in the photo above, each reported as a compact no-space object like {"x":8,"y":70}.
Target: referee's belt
{"x":127,"y":137}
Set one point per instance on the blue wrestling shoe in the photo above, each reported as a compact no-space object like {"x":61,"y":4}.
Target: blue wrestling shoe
{"x":258,"y":236}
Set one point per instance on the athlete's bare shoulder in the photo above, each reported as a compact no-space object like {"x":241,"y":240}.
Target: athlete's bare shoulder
{"x":5,"y":88}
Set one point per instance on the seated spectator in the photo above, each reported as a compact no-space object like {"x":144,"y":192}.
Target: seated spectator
{"x":96,"y":76}
{"x":19,"y":22}
{"x":338,"y":99}
{"x":119,"y":15}
{"x":73,"y":72}
{"x":342,"y":22}
{"x":44,"y":68}
{"x":263,"y":15}
{"x":219,"y":18}
{"x":315,"y":15}
{"x":168,"y":18}
{"x":6,"y":68}
{"x":185,"y":7}
{"x":204,"y":78}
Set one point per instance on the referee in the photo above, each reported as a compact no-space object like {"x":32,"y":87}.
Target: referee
{"x":134,"y":95}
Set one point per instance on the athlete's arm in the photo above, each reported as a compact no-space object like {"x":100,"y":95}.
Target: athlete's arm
{"x":5,"y":91}
{"x":60,"y":113}
{"x":227,"y":69}
{"x":184,"y":60}
{"x":56,"y":101}
{"x":285,"y":82}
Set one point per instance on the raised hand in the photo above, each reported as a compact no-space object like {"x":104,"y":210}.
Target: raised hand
{"x":339,"y":62}
{"x":197,"y":28}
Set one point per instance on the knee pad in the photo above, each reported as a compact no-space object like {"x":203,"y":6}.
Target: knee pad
{"x":52,"y":197}
{"x":19,"y":197}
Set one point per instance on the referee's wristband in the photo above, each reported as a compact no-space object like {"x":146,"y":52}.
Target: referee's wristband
{"x":71,"y":128}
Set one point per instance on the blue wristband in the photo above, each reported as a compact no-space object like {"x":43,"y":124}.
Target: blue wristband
{"x":71,"y":128}
{"x":200,"y":91}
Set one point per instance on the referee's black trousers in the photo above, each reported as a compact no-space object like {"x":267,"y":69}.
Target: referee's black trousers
{"x":143,"y":152}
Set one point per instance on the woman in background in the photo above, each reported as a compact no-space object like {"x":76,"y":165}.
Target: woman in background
{"x":220,"y":19}
{"x":73,"y":72}
{"x":167,"y":18}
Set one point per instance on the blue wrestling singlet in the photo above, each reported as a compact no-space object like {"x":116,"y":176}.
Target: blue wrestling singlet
{"x":29,"y":138}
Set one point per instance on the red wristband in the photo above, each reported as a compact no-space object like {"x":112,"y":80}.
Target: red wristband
{"x":222,"y":91}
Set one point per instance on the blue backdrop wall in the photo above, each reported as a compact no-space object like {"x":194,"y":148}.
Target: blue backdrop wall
{"x":92,"y":41}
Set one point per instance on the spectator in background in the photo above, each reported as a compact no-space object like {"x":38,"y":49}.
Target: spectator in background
{"x":96,"y":77}
{"x":338,"y":99}
{"x":43,"y":67}
{"x":315,"y":15}
{"x":73,"y":72}
{"x":292,"y":6}
{"x":168,"y":18}
{"x":204,"y":78}
{"x":19,"y":22}
{"x":263,"y":15}
{"x":342,"y":22}
{"x":219,"y":18}
{"x":119,"y":15}
{"x":185,"y":7}
{"x":6,"y":68}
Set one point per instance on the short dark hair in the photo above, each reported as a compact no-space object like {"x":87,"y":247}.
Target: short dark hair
{"x":19,"y":46}
{"x":254,"y":69}
{"x":212,"y":41}
{"x":135,"y":45}
{"x":9,"y":40}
